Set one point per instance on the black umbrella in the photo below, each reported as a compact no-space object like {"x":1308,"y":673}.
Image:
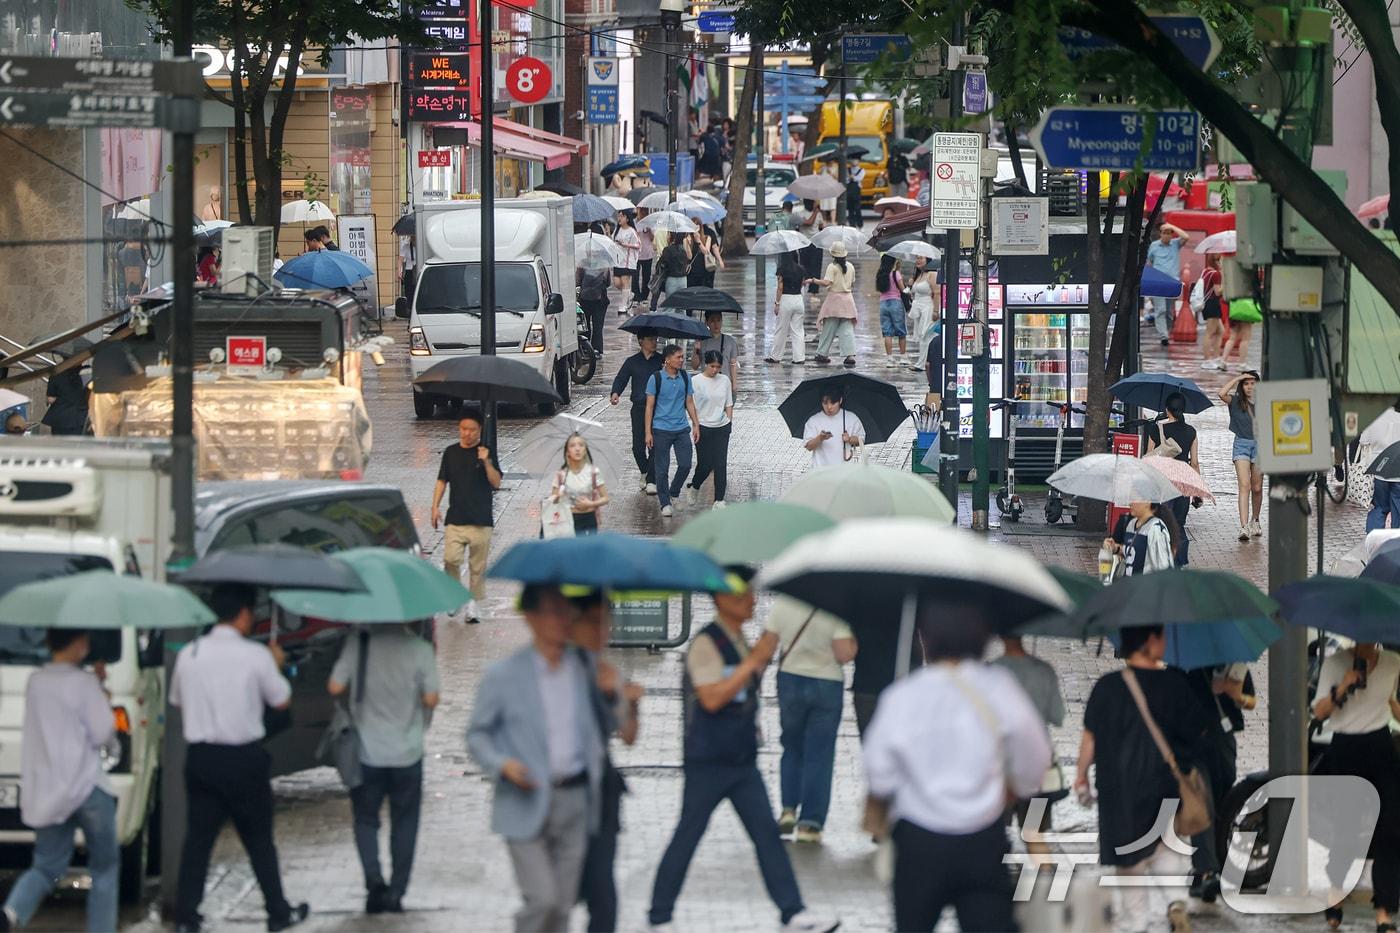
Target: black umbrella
{"x":278,"y":566}
{"x":702,"y":298}
{"x":666,"y":325}
{"x":637,"y":194}
{"x":1384,"y":565}
{"x":561,"y":188}
{"x":877,"y":403}
{"x":407,"y":225}
{"x":488,"y":379}
{"x":1386,"y":466}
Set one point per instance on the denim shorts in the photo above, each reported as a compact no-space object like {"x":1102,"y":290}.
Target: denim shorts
{"x":1245,"y":450}
{"x":892,"y":318}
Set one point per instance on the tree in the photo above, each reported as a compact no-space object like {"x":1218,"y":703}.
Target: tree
{"x":732,"y":240}
{"x":260,"y":34}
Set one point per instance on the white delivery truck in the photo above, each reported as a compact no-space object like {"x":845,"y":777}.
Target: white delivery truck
{"x":535,"y":297}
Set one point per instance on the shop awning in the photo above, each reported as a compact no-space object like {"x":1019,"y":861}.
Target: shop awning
{"x":518,"y":141}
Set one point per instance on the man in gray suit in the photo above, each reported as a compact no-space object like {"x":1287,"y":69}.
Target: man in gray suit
{"x":534,"y":732}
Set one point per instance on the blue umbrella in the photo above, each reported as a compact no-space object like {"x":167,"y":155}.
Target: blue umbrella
{"x":1150,"y":390}
{"x":589,"y":209}
{"x":663,"y":324}
{"x":1158,"y":284}
{"x":1361,"y":609}
{"x":1384,"y":565}
{"x":1208,"y":644}
{"x":324,"y":268}
{"x":611,"y":561}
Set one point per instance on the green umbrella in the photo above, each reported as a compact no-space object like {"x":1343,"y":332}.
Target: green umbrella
{"x":401,"y":587}
{"x":905,"y":145}
{"x":1079,"y":587}
{"x":750,"y":532}
{"x":858,"y":490}
{"x":101,"y":599}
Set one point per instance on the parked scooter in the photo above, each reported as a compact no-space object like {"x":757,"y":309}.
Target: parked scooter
{"x":1057,"y":504}
{"x":1008,"y":502}
{"x":584,"y":362}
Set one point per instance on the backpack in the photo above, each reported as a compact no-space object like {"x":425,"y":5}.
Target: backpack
{"x":656,"y":378}
{"x":1198,"y":295}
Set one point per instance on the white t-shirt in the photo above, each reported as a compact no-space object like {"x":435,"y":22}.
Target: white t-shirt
{"x":712,"y":397}
{"x":581,"y":484}
{"x":830,"y":451}
{"x":631,"y":244}
{"x":1368,"y":709}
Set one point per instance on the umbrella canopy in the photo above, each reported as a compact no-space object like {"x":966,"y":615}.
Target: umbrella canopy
{"x":611,"y":561}
{"x":672,"y":326}
{"x":909,"y":250}
{"x":624,"y":164}
{"x":407,"y":225}
{"x":637,"y":195}
{"x":400,"y":587}
{"x":1226,"y":241}
{"x":703,"y":195}
{"x":322,"y":268}
{"x":1150,"y":390}
{"x":1386,"y":466}
{"x":828,"y":151}
{"x":561,"y":188}
{"x":702,"y":209}
{"x":596,"y":251}
{"x":816,"y":187}
{"x":211,"y":232}
{"x":9,"y":398}
{"x":101,"y":599}
{"x":1384,"y":565}
{"x":852,"y":238}
{"x":877,"y":403}
{"x":860,"y":490}
{"x":1079,"y":587}
{"x":589,"y":208}
{"x":1121,"y":480}
{"x":272,"y":565}
{"x":1360,"y":609}
{"x":306,"y":212}
{"x":656,"y":199}
{"x":669,"y":221}
{"x":896,"y":201}
{"x":702,"y":298}
{"x":1155,"y":284}
{"x":751,"y":532}
{"x":488,"y":378}
{"x":621,"y":204}
{"x":541,"y":450}
{"x":1181,"y":475}
{"x":903,"y":144}
{"x":1374,"y":207}
{"x":778,"y":242}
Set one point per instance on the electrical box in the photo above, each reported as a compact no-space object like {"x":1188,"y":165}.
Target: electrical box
{"x":247,"y":260}
{"x":1256,"y":220}
{"x":1291,"y":425}
{"x":970,"y":339}
{"x":1295,"y":288}
{"x":1235,"y":280}
{"x":1299,"y":236}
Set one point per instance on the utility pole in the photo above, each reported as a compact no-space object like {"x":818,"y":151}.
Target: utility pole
{"x":671,"y":21}
{"x":760,"y":221}
{"x":842,"y":170}
{"x":982,"y":362}
{"x":488,"y":216}
{"x":952,"y":274}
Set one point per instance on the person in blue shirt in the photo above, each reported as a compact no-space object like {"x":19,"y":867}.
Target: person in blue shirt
{"x":672,"y":424}
{"x":1164,"y":255}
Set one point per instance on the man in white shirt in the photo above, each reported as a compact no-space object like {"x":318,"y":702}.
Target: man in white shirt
{"x":830,"y":431}
{"x":67,"y":721}
{"x":222,"y":682}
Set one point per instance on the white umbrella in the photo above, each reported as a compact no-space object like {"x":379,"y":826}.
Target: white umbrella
{"x":669,"y":221}
{"x":595,"y":251}
{"x":703,"y":195}
{"x":135,"y":210}
{"x":656,"y":201}
{"x":779,"y":241}
{"x":1222,"y":242}
{"x":909,"y":250}
{"x":854,"y":240}
{"x":897,"y":202}
{"x":541,"y":450}
{"x":816,"y":187}
{"x":540,"y":196}
{"x":305,"y":212}
{"x":702,"y":209}
{"x":622,"y":204}
{"x":9,"y":398}
{"x":1119,"y":479}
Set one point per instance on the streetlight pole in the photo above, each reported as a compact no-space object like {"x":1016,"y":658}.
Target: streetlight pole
{"x":842,"y":170}
{"x":488,"y":217}
{"x":951,"y":433}
{"x":671,"y":21}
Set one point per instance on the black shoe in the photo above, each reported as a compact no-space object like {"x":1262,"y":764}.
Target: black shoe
{"x":1165,"y":341}
{"x":179,"y":927}
{"x":393,"y":904}
{"x":473,"y":620}
{"x":294,"y":917}
{"x":377,"y":900}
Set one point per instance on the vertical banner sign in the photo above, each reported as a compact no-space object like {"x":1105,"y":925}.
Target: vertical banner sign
{"x":601,"y":101}
{"x":357,"y":239}
{"x":351,"y":114}
{"x":957,"y":163}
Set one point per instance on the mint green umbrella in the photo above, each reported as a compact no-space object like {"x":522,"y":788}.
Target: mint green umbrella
{"x":860,"y":490}
{"x":400,"y":587}
{"x":101,"y":599}
{"x":750,"y":532}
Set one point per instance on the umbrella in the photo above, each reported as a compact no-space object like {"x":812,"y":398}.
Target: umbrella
{"x":877,"y":403}
{"x":1384,"y":565}
{"x":909,"y":250}
{"x":272,"y":565}
{"x":489,"y":379}
{"x":827,"y":152}
{"x":1150,"y":390}
{"x":1374,"y":207}
{"x":407,"y":225}
{"x":778,"y":242}
{"x":637,"y":195}
{"x":211,"y":232}
{"x":611,"y":561}
{"x":1363,"y":610}
{"x":400,"y":587}
{"x":816,"y":187}
{"x":538,"y":195}
{"x":541,"y":450}
{"x":751,"y":532}
{"x":1079,"y":587}
{"x":1186,"y":480}
{"x":853,"y":239}
{"x":702,"y":298}
{"x":860,"y":490}
{"x":1386,"y":466}
{"x":621,"y":204}
{"x":672,"y":326}
{"x":322,"y":268}
{"x":702,"y":195}
{"x":1223,"y":242}
{"x":701,"y":209}
{"x":625,"y":163}
{"x":669,"y":221}
{"x":1155,"y":284}
{"x":561,"y":188}
{"x":306,"y":212}
{"x":1119,"y":479}
{"x":101,"y":599}
{"x":897,"y":202}
{"x":655,"y":200}
{"x":589,"y":209}
{"x":9,"y":398}
{"x":904,"y":144}
{"x":596,"y":251}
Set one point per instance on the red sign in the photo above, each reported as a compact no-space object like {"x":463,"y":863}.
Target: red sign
{"x":245,"y":353}
{"x":1124,"y":445}
{"x":440,"y":106}
{"x":435,"y":158}
{"x":528,"y":80}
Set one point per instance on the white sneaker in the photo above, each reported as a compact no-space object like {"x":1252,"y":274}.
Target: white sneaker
{"x":719,"y":503}
{"x":1244,"y":532}
{"x":1255,"y":530}
{"x":643,"y":484}
{"x":693,"y":496}
{"x":650,"y":489}
{"x":891,"y":362}
{"x":667,"y":512}
{"x":811,"y":922}
{"x":1209,"y":364}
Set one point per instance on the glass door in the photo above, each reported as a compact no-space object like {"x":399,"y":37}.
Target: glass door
{"x":1040,"y":367}
{"x":1078,"y":364}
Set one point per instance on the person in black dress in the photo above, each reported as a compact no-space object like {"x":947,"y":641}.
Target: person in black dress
{"x":1174,"y":428}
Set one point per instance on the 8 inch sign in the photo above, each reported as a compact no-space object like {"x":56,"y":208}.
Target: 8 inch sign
{"x":528,"y":80}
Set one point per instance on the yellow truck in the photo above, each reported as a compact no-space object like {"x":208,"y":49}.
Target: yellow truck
{"x":870,"y":125}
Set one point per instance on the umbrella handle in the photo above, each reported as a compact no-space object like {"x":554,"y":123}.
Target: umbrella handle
{"x":906,"y":636}
{"x":276,"y":613}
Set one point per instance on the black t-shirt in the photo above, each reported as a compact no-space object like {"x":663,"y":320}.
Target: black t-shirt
{"x":469,"y":489}
{"x":791,"y":275}
{"x":1179,"y":431}
{"x":875,"y":663}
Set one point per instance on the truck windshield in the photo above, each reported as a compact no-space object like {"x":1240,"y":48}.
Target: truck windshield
{"x":455,"y":288}
{"x":26,"y":645}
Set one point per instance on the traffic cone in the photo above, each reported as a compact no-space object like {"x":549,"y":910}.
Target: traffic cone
{"x":1184,"y":330}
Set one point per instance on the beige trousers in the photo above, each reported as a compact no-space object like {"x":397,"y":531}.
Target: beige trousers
{"x":475,"y":541}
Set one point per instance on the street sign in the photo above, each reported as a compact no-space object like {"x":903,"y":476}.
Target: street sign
{"x":434,"y":158}
{"x":1112,"y":138}
{"x":437,"y":105}
{"x":602,"y":91}
{"x":715,"y":21}
{"x":100,"y":76}
{"x":866,"y":48}
{"x":793,"y":103}
{"x":957,"y":162}
{"x":441,"y":69}
{"x":975,"y":92}
{"x":1188,"y":32}
{"x":76,"y":111}
{"x":528,"y":80}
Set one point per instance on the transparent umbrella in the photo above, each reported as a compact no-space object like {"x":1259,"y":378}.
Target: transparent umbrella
{"x":853,"y":239}
{"x":669,"y":221}
{"x":910,"y":250}
{"x":595,"y":251}
{"x":541,"y":450}
{"x":779,"y":241}
{"x":1120,"y":480}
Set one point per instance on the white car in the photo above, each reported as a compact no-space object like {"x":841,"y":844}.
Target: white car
{"x":776,"y":179}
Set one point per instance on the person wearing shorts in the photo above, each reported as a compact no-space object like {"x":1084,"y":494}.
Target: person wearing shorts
{"x":1214,"y":341}
{"x":892,"y":323}
{"x":1238,"y":396}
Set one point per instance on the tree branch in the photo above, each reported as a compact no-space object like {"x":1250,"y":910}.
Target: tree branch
{"x":1372,"y":21}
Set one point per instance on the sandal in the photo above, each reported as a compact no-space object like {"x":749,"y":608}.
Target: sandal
{"x":1387,"y":927}
{"x":1333,"y":916}
{"x":1177,"y":919}
{"x":769,"y":359}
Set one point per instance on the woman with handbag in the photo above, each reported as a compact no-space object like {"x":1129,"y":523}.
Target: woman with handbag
{"x":1143,"y":730}
{"x":580,"y":484}
{"x":1176,"y":439}
{"x":837,"y":315}
{"x":1244,"y":314}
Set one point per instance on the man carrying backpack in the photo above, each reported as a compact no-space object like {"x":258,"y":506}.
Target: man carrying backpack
{"x":672,"y":423}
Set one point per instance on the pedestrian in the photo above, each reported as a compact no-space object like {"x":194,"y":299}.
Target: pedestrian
{"x":810,"y":221}
{"x":823,"y":427}
{"x":671,"y":424}
{"x":783,"y":219}
{"x":1133,"y":779}
{"x":706,"y":258}
{"x":1147,"y":539}
{"x":1177,"y":439}
{"x":709,"y":165}
{"x":593,"y":299}
{"x":1213,"y":343}
{"x":15,"y":423}
{"x":1226,"y":691}
{"x":814,"y":646}
{"x":637,"y":370}
{"x":897,"y":170}
{"x":1356,"y":699}
{"x":63,"y":784}
{"x":630,"y":242}
{"x":223,"y":683}
{"x":855,"y":180}
{"x":1243,"y":314}
{"x":837,"y":315}
{"x":791,"y":309}
{"x":797,"y":142}
{"x":674,"y":264}
{"x":892,"y":324}
{"x":948,"y":748}
{"x":646,"y":255}
{"x":474,"y":474}
{"x":208,"y":266}
{"x":1238,"y":396}
{"x":720,"y":690}
{"x":874,"y":670}
{"x":1042,"y":687}
{"x":616,"y":704}
{"x":389,"y":676}
{"x":311,"y":241}
{"x":723,"y":344}
{"x":1385,"y":496}
{"x":923,"y":316}
{"x":933,"y":367}
{"x":67,"y":399}
{"x":534,"y":734}
{"x":714,"y":406}
{"x":1164,"y":255}
{"x":580,"y":482}
{"x":323,"y":233}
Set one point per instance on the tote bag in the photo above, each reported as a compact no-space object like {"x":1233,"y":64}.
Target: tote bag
{"x":556,"y":520}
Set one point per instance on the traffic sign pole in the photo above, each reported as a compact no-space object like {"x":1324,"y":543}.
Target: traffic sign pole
{"x":952,"y":269}
{"x":488,"y":217}
{"x":842,"y":171}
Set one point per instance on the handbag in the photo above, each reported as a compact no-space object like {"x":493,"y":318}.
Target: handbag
{"x":1169,"y":448}
{"x":340,"y":745}
{"x":556,"y":519}
{"x":1193,"y":796}
{"x":1361,"y":486}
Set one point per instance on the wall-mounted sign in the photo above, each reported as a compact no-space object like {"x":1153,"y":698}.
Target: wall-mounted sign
{"x":528,"y":80}
{"x":430,"y":105}
{"x":601,"y":99}
{"x":434,"y":158}
{"x":245,"y":354}
{"x":440,"y":69}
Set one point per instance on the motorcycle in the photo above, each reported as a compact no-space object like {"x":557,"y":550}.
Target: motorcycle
{"x":583,"y":362}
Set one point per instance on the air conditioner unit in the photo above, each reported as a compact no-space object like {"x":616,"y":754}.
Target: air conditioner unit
{"x":247,"y":260}
{"x":57,"y":488}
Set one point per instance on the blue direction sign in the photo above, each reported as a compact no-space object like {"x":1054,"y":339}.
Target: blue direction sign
{"x":1115,"y":138}
{"x":716,"y":21}
{"x":1190,"y":33}
{"x":868,"y":47}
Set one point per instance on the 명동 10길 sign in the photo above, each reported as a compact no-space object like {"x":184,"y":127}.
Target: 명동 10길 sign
{"x":1115,"y":138}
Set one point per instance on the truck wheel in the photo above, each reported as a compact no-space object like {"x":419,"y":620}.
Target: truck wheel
{"x":561,"y":385}
{"x":423,"y":405}
{"x":132,"y":878}
{"x":1258,"y":863}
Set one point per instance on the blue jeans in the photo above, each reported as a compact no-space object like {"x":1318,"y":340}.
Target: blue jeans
{"x":809,"y":710}
{"x":706,"y":787}
{"x":53,"y":853}
{"x":1385,"y":500}
{"x":661,"y":444}
{"x":892,"y":318}
{"x":404,"y":789}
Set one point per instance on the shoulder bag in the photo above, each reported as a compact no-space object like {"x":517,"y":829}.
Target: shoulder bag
{"x":340,"y":746}
{"x":1193,"y":803}
{"x":556,"y":518}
